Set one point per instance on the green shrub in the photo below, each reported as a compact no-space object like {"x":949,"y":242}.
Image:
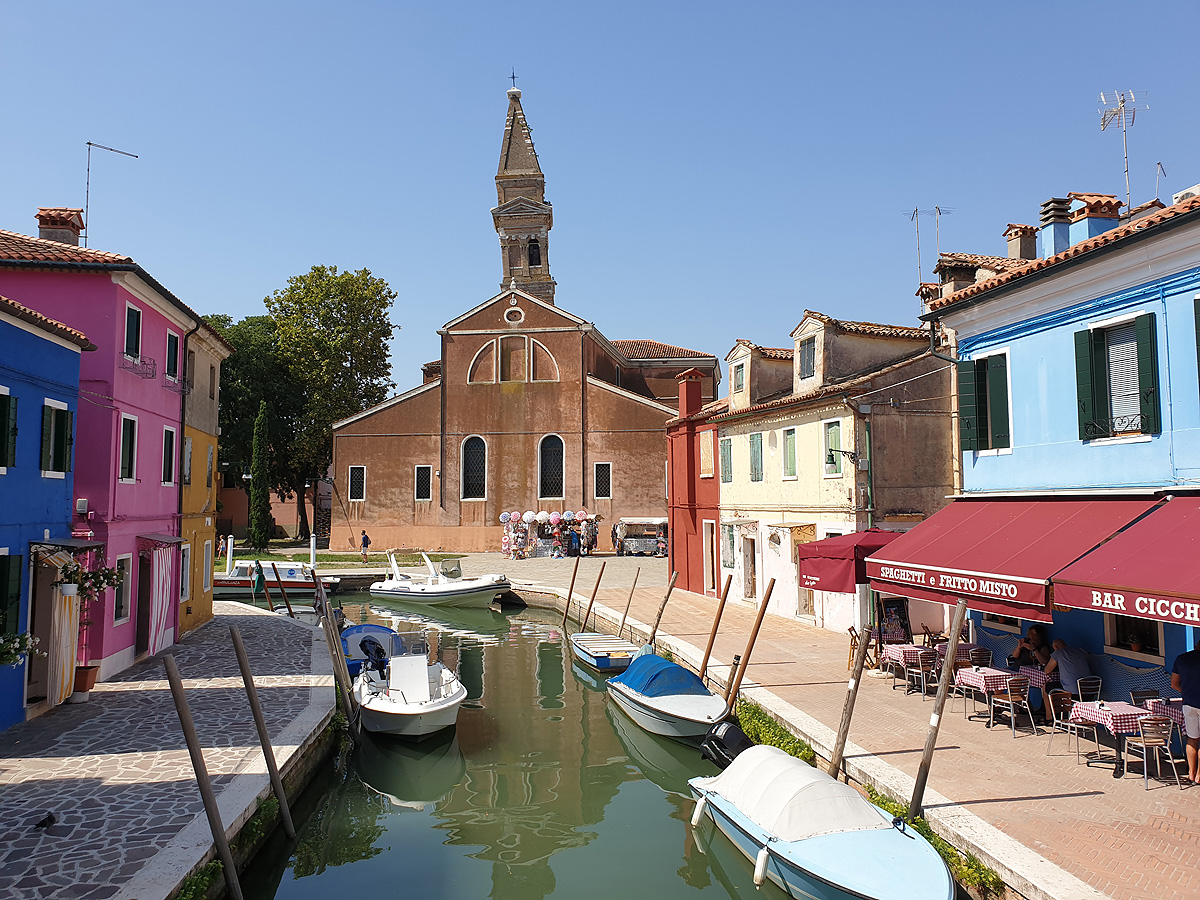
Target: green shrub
{"x":196,"y":885}
{"x":762,"y":729}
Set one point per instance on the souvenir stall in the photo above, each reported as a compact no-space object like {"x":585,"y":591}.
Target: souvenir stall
{"x":548,"y":534}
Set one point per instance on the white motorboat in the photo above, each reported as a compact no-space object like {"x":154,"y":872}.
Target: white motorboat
{"x":665,"y":698}
{"x":814,"y":836}
{"x":444,"y":587}
{"x":238,"y":581}
{"x":400,"y":692}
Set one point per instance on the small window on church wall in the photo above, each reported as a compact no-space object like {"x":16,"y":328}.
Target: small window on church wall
{"x":550,"y":465}
{"x":535,"y":253}
{"x":474,"y":469}
{"x":483,"y":366}
{"x":544,"y":366}
{"x":512,"y":358}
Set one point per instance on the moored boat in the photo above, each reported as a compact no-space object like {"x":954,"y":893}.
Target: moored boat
{"x":603,"y":652}
{"x":815,"y":836}
{"x":446,"y":587}
{"x":352,"y":643}
{"x":399,"y":692}
{"x":296,"y":578}
{"x":665,"y":698}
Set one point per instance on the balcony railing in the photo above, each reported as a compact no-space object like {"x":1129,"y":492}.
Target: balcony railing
{"x":141,"y":366}
{"x":1121,"y":425}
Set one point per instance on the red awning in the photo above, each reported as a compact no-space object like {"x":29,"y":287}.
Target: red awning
{"x":999,"y":554}
{"x":839,"y":563}
{"x":1148,"y":571}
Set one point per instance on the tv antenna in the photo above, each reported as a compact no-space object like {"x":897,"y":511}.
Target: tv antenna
{"x":87,"y":194}
{"x":1159,"y":171}
{"x":937,"y":212}
{"x":1119,"y":107}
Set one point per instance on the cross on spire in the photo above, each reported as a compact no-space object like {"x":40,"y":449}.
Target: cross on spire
{"x":513,"y":76}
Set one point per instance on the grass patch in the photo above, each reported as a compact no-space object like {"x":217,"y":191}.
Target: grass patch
{"x":197,"y":885}
{"x":762,"y":729}
{"x":965,"y":867}
{"x":341,"y":560}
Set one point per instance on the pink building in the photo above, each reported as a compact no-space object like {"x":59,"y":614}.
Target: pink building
{"x":129,"y":425}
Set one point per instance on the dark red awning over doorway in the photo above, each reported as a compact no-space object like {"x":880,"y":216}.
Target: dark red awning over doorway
{"x":839,"y":563}
{"x":1148,"y":571}
{"x":999,"y":554}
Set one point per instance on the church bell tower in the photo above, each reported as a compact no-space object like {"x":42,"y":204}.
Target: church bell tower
{"x":523,"y":218}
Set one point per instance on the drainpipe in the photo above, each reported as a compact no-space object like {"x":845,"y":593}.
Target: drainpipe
{"x":870,"y":457}
{"x":183,"y":395}
{"x":955,"y":441}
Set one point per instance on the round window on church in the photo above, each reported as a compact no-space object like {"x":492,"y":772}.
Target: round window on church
{"x":514,"y":316}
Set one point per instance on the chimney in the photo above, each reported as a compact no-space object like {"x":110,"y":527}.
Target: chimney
{"x":689,"y":392}
{"x":60,"y":224}
{"x":1094,"y":214}
{"x":1055,"y":225}
{"x":431,"y":371}
{"x":1022,"y":241}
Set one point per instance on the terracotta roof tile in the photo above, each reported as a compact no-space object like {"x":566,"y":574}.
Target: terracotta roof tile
{"x":22,"y":247}
{"x":655,"y":350}
{"x":1137,"y":226}
{"x":768,"y":352}
{"x":15,"y":309}
{"x":873,"y":329}
{"x":977,"y":260}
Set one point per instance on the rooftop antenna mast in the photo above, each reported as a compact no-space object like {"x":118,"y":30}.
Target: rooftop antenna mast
{"x":1119,"y":107}
{"x":1159,"y":171}
{"x":87,"y":194}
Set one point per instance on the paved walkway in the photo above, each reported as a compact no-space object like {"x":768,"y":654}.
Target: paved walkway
{"x":1057,"y":828}
{"x":115,"y":775}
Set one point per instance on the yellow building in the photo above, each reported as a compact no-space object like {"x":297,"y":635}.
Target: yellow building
{"x":198,"y":467}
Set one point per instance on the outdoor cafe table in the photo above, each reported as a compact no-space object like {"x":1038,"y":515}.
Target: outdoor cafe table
{"x":1172,"y":709}
{"x":904,"y":654}
{"x":1037,"y":677}
{"x":1119,"y":717}
{"x":963,"y":651}
{"x":984,"y":679}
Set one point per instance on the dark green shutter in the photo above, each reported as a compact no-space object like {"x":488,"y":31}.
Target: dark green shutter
{"x":10,"y":584}
{"x":61,"y":438}
{"x":1147,"y":363}
{"x":997,"y":401}
{"x":47,"y":438}
{"x":1083,"y":385}
{"x":69,"y":431}
{"x":8,"y":430}
{"x":968,"y":406}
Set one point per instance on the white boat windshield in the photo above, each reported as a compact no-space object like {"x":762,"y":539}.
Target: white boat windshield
{"x":409,"y":643}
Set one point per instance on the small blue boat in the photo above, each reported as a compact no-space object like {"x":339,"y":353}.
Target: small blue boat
{"x":814,"y":836}
{"x":603,"y":652}
{"x":352,"y":636}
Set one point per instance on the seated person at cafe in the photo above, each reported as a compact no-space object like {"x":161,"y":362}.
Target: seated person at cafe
{"x":1071,"y":663}
{"x":1031,"y":650}
{"x":1185,"y":678}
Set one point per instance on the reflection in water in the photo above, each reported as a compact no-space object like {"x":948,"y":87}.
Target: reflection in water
{"x":539,"y":790}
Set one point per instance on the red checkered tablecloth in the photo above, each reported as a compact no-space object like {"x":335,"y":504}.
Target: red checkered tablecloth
{"x":904,"y":654}
{"x":1118,"y":717}
{"x":961,"y":652}
{"x":1173,"y":709}
{"x":1038,"y":678}
{"x":985,"y":678}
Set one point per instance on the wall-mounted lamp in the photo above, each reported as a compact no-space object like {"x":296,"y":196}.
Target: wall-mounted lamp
{"x":831,"y":460}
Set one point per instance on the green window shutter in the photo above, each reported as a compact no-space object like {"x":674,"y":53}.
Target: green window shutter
{"x":10,"y":585}
{"x":756,"y":469}
{"x":997,"y":401}
{"x":61,"y":438}
{"x":726,"y":460}
{"x":47,"y":438}
{"x":1084,"y":392}
{"x":968,"y":407}
{"x":1147,"y":364}
{"x":8,"y":429}
{"x":69,"y":431}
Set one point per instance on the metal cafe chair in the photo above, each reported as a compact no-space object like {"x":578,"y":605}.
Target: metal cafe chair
{"x":1089,"y":688}
{"x":980,"y":656}
{"x":924,"y":671}
{"x":1154,"y":734}
{"x":1060,"y":703}
{"x":1137,"y":698}
{"x":1016,"y":696}
{"x":962,"y":690}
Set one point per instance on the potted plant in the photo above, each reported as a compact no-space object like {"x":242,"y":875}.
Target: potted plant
{"x":87,"y":584}
{"x":1135,"y":642}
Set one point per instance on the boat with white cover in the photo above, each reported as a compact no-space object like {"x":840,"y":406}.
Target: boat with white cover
{"x":446,"y":587}
{"x":665,"y":698}
{"x":399,"y":692}
{"x":814,"y":836}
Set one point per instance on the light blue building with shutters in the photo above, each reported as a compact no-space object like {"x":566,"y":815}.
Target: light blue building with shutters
{"x":1078,"y":373}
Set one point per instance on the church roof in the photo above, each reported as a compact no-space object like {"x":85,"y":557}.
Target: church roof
{"x":517,"y":156}
{"x":655,"y":350}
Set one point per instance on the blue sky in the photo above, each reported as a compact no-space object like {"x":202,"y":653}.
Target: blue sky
{"x":715,"y":169}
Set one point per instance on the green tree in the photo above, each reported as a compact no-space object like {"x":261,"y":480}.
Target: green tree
{"x":260,"y":489}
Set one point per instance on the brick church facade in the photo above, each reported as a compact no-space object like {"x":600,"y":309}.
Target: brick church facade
{"x":529,"y":407}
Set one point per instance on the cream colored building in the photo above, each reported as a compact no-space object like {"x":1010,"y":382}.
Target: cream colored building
{"x":848,"y":428}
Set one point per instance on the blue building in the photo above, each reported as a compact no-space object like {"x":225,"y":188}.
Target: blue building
{"x":1078,"y":401}
{"x":39,"y":391}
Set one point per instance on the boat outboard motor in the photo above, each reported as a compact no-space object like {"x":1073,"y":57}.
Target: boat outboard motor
{"x":723,"y":742}
{"x":376,"y":656}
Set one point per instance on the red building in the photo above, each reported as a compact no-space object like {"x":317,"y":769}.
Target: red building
{"x":693,"y":488}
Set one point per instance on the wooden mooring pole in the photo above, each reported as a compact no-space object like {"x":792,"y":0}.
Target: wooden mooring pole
{"x":629,"y":602}
{"x":732,"y":696}
{"x":661,"y":607}
{"x":592,"y":601}
{"x":202,"y":779}
{"x":860,"y":660}
{"x":915,"y":806}
{"x":712,"y":636}
{"x":264,"y":737}
{"x":282,"y":590}
{"x":570,"y":590}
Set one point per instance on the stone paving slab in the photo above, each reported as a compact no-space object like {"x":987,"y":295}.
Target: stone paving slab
{"x":115,"y":773}
{"x":1055,"y":828}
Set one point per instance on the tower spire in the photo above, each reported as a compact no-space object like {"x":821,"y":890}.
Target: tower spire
{"x":522,"y":218}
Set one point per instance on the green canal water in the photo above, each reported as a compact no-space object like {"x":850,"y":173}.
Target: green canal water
{"x":542,"y":789}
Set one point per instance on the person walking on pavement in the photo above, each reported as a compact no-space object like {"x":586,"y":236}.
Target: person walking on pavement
{"x":1185,"y":678}
{"x":366,"y":545}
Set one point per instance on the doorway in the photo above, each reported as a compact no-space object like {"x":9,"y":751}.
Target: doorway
{"x":144,"y":585}
{"x":41,"y":623}
{"x":709,"y":541}
{"x":748,"y":567}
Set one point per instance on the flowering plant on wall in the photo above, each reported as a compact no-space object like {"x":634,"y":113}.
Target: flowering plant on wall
{"x":15,"y":647}
{"x":91,"y":582}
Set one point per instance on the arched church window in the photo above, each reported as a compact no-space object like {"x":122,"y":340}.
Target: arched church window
{"x":535,"y":253}
{"x":544,"y":366}
{"x":514,"y":255}
{"x":474,"y":468}
{"x":550,"y":467}
{"x":483,"y":366}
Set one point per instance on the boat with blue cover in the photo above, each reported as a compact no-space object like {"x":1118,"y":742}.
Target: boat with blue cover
{"x":352,"y":643}
{"x":665,"y":698}
{"x":814,"y":836}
